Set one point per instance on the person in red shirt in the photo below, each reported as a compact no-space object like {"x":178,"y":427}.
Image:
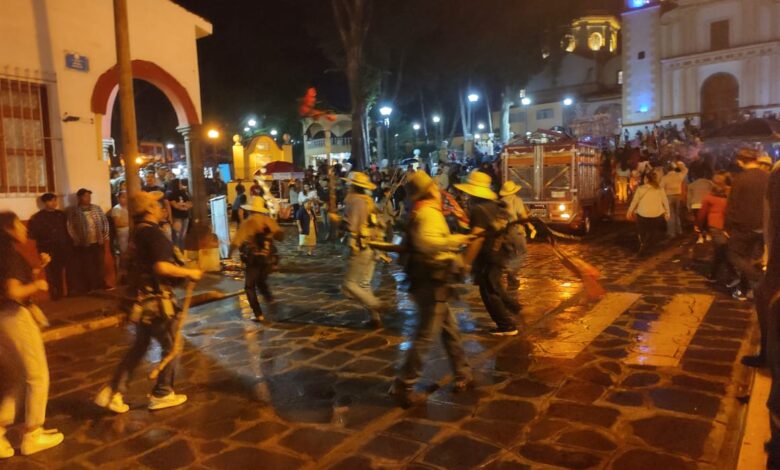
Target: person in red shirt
{"x":711,"y":220}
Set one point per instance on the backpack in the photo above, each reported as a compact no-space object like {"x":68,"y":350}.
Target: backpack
{"x":503,"y":241}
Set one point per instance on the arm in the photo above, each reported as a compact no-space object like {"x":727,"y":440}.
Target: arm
{"x":19,"y":292}
{"x":635,"y":201}
{"x":475,"y":246}
{"x":164,"y":268}
{"x":665,"y":204}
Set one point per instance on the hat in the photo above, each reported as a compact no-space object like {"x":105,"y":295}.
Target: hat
{"x":82,"y":192}
{"x":478,"y":185}
{"x":47,"y":197}
{"x":765,"y":159}
{"x":509,"y":188}
{"x":361,"y":180}
{"x":143,"y":201}
{"x":417,"y":185}
{"x":256,"y":204}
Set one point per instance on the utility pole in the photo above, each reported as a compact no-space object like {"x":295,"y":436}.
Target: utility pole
{"x":126,"y":99}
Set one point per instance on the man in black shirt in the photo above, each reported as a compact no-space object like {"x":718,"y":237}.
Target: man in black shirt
{"x":488,"y":264}
{"x":153,"y":271}
{"x":49,"y":228}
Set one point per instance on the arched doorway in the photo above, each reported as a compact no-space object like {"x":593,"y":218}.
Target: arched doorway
{"x":719,"y":100}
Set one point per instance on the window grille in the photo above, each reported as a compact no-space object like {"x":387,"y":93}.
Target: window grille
{"x":25,"y":139}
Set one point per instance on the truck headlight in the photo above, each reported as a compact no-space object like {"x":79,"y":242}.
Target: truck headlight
{"x":565,"y":216}
{"x":562,"y":207}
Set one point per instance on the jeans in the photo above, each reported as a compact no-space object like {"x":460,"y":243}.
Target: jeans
{"x":746,"y":247}
{"x":720,"y":257}
{"x":357,"y":279}
{"x":161,"y":330}
{"x":256,"y":278}
{"x":674,"y":225}
{"x":22,"y":352}
{"x":494,"y":296}
{"x":180,"y":227}
{"x":436,"y":320}
{"x":90,"y":261}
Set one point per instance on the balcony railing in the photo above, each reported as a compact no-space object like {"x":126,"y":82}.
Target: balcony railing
{"x":312,"y":144}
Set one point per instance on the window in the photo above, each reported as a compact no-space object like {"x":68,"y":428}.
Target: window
{"x":516,"y":117}
{"x":641,"y":55}
{"x":25,"y":139}
{"x":719,"y":35}
{"x":620,"y":77}
{"x":546,"y":113}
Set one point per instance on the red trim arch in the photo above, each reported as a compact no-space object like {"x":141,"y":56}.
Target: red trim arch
{"x":105,"y":91}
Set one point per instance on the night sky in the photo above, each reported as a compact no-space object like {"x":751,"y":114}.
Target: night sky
{"x":263,"y":54}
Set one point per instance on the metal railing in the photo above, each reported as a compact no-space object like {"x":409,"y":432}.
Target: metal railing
{"x":334,"y":142}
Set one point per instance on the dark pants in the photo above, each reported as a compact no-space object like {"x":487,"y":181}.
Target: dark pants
{"x":494,"y":295}
{"x":436,"y":321}
{"x":770,"y":338}
{"x":746,"y":248}
{"x":161,"y":330}
{"x":649,"y":229}
{"x":720,"y":257}
{"x":56,"y":271}
{"x":256,"y":278}
{"x":89,"y":261}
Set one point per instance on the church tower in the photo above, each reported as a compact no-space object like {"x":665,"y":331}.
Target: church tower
{"x":641,"y":62}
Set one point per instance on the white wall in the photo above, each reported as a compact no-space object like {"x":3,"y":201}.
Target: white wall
{"x":35,"y":35}
{"x":641,"y":77}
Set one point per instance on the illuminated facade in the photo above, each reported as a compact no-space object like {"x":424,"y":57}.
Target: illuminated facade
{"x":708,"y":60}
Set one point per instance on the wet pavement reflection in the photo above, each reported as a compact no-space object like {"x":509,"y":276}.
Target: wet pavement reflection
{"x":308,"y":388}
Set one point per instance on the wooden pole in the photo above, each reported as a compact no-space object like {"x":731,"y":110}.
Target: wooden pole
{"x":126,"y":99}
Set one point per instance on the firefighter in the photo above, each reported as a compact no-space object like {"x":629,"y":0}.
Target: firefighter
{"x":254,"y":239}
{"x":360,"y":218}
{"x":152,"y":271}
{"x":432,"y":262}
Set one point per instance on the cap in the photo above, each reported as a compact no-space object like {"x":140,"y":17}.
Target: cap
{"x":143,"y":201}
{"x":48,"y":197}
{"x":83,"y":191}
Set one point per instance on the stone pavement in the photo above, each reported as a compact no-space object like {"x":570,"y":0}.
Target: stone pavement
{"x":308,"y":389}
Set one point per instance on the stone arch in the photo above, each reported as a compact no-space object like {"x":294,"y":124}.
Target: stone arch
{"x":719,"y":100}
{"x":107,"y":86}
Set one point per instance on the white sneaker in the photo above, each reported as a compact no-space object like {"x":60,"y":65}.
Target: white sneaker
{"x":40,"y":439}
{"x":107,"y":398}
{"x":700,"y":240}
{"x":6,"y":449}
{"x":168,"y":401}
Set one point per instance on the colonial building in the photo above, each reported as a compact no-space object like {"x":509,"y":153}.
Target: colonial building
{"x":58,"y":85}
{"x":324,"y":136}
{"x":580,"y":83}
{"x":708,"y":60}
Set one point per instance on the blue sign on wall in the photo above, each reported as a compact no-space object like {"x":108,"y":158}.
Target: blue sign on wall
{"x":77,"y":62}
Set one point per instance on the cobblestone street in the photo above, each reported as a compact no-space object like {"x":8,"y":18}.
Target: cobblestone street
{"x":649,"y":377}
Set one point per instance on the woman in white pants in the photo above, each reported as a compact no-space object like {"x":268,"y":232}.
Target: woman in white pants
{"x":25,"y":371}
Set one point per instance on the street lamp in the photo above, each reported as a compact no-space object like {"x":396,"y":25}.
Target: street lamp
{"x":436,"y":119}
{"x":526,"y":101}
{"x":169,"y":146}
{"x":252,"y":123}
{"x":473,"y":97}
{"x":481,"y":126}
{"x":274,"y":132}
{"x":416,"y":126}
{"x":246,"y":129}
{"x":213,"y":134}
{"x":568,"y":101}
{"x":385,"y":111}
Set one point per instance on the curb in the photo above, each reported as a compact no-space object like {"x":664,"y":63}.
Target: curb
{"x":115,"y":319}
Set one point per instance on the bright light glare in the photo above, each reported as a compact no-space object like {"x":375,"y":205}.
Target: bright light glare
{"x":246,"y":129}
{"x":436,"y":119}
{"x":139,"y":160}
{"x":525,"y":101}
{"x":562,"y":207}
{"x":416,"y":126}
{"x":568,"y":101}
{"x":473,"y":97}
{"x":480,"y":126}
{"x":213,"y":134}
{"x":385,"y":110}
{"x":565,"y":216}
{"x":274,"y":132}
{"x":252,"y":123}
{"x":476,"y":136}
{"x":169,"y":146}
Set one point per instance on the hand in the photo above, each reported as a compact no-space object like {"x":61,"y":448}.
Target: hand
{"x":45,"y":260}
{"x":195,"y":275}
{"x":41,"y":285}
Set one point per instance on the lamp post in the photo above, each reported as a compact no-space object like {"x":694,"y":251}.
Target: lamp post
{"x":416,"y":127}
{"x":472,"y":98}
{"x":526,"y":102}
{"x":437,"y":121}
{"x":385,"y":111}
{"x":213,"y":135}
